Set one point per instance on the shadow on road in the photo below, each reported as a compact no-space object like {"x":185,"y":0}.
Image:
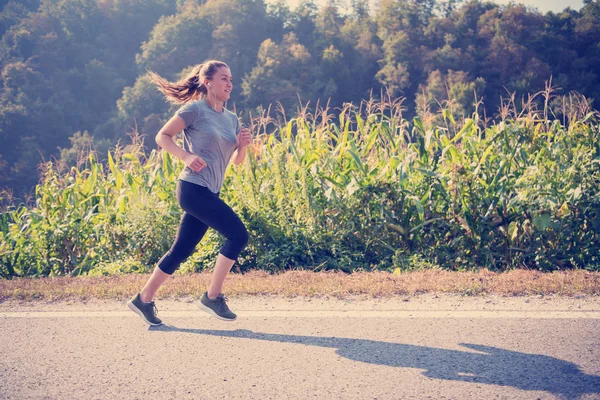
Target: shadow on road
{"x":489,"y":365}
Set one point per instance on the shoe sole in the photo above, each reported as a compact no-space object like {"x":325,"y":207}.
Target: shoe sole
{"x":214,"y":314}
{"x":139,"y":312}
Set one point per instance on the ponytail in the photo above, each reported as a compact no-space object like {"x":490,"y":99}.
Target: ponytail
{"x":191,"y":87}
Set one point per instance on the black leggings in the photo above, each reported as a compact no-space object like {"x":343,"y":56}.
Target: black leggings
{"x":203,"y":209}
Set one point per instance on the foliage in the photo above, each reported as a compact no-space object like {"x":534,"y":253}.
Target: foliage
{"x":93,"y":214}
{"x":69,"y":66}
{"x":365,"y":190}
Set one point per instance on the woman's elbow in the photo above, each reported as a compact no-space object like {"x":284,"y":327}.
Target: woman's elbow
{"x":158,"y":139}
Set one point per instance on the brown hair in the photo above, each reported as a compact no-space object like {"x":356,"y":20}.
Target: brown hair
{"x":191,"y":87}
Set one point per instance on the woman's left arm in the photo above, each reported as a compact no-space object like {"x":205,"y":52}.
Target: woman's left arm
{"x":244,"y":139}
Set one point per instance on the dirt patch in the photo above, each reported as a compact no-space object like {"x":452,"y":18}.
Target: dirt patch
{"x":309,"y":284}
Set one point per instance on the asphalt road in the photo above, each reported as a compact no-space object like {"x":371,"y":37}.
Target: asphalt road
{"x":411,"y":348}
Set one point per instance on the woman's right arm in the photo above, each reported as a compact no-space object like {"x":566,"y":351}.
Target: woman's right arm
{"x":164,"y":138}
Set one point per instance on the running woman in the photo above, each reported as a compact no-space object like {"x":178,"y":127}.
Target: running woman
{"x":212,"y":136}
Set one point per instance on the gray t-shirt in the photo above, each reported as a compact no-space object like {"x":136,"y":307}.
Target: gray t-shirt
{"x":211,"y":135}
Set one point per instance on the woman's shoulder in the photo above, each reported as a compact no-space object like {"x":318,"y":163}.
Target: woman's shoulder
{"x":190,"y":105}
{"x":204,"y":109}
{"x":200,"y":106}
{"x":196,"y":103}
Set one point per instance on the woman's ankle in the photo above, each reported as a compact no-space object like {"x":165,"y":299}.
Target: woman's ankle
{"x":145,"y":297}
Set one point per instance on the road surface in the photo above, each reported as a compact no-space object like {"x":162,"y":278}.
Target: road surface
{"x":422,"y":347}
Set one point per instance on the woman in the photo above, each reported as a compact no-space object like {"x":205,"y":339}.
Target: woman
{"x":212,"y":135}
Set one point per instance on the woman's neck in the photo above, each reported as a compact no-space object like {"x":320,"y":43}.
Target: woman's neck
{"x":214,"y":104}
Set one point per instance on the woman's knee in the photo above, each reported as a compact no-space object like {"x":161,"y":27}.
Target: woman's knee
{"x":243,"y":237}
{"x":236,"y":242}
{"x":237,"y":233}
{"x":171,"y":261}
{"x":168,"y":264}
{"x":239,"y":240}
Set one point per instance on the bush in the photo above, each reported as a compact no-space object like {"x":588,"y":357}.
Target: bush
{"x":368,"y":191}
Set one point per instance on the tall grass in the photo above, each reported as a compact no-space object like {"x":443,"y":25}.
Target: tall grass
{"x":363,"y":188}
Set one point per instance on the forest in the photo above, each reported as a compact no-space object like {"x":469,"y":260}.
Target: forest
{"x":74,"y":72}
{"x":418,"y":135}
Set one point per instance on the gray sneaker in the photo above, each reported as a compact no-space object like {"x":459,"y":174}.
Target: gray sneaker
{"x":147,"y":311}
{"x":217,"y":307}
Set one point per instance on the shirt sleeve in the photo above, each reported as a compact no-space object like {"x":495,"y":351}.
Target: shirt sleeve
{"x":188,"y":113}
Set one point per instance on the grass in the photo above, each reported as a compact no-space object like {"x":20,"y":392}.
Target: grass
{"x":310,"y":284}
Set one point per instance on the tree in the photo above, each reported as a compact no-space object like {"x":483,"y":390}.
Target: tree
{"x":71,"y":66}
{"x":64,"y":65}
{"x":454,"y":91}
{"x":282,"y":73}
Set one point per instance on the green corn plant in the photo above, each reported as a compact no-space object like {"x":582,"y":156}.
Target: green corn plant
{"x":363,"y":189}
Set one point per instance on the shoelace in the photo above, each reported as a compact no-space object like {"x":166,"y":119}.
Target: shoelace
{"x":154,"y":308}
{"x":222,"y":301}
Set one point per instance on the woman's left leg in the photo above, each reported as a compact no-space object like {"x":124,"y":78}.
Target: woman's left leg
{"x":222,"y":267}
{"x":216,"y":214}
{"x":229,"y":225}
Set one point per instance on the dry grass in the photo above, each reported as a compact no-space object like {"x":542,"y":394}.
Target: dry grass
{"x":304,"y":283}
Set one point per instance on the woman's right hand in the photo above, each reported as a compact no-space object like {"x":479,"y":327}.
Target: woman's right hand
{"x":194,"y":162}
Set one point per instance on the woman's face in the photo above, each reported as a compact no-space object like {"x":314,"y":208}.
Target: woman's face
{"x":221,"y":84}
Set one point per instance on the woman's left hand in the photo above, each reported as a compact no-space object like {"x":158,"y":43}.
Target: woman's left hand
{"x":244,"y":138}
